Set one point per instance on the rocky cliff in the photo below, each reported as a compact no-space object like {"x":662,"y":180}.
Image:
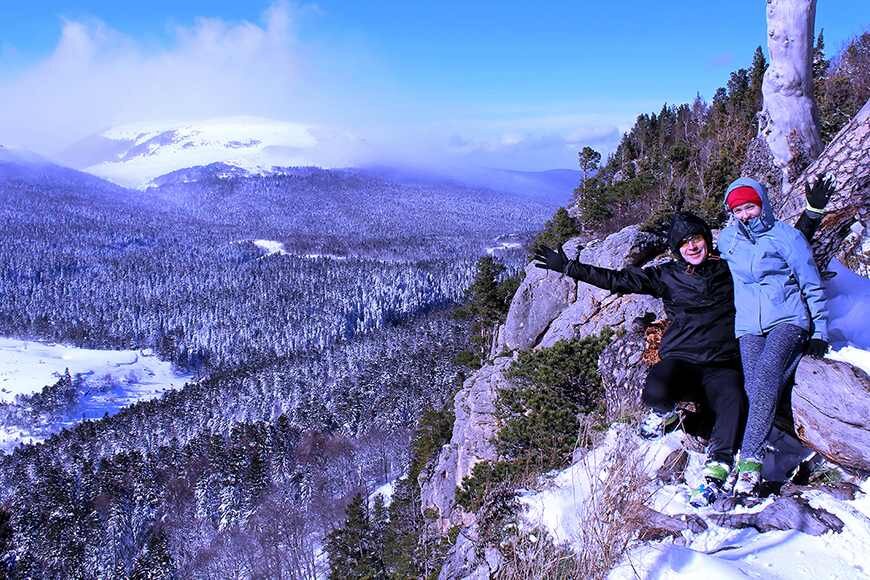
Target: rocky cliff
{"x":830,"y":400}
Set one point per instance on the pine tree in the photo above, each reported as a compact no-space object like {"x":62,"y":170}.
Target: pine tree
{"x":559,"y":229}
{"x":756,"y":79}
{"x":589,"y":159}
{"x":354,"y":551}
{"x":154,"y":562}
{"x":488,"y":303}
{"x":820,"y":66}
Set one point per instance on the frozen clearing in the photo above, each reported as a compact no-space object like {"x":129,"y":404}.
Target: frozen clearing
{"x":109,"y":380}
{"x":270,"y":246}
{"x":502,"y":247}
{"x":28,"y":366}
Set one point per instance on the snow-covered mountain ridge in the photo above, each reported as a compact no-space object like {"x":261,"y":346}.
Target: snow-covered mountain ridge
{"x":133,"y":155}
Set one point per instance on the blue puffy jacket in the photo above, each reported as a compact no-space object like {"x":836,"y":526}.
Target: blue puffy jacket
{"x":775,"y":276}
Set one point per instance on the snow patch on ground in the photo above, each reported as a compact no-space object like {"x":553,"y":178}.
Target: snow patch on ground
{"x":848,"y":308}
{"x":854,"y":356}
{"x":560,"y":507}
{"x":504,"y":246}
{"x":385,"y":491}
{"x":726,"y":553}
{"x":27,"y":366}
{"x":109,"y":379}
{"x":326,"y":256}
{"x":715,"y":553}
{"x":270,"y":246}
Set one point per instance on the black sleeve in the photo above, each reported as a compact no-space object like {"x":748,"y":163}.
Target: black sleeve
{"x":808,"y":223}
{"x":631,"y":280}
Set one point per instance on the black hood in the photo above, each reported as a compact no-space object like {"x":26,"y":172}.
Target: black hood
{"x":687,"y":224}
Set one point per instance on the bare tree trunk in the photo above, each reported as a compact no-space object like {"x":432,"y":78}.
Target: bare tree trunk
{"x":848,"y":212}
{"x":787,"y":121}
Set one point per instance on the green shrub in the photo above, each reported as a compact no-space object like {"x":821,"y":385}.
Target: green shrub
{"x":540,"y":418}
{"x":433,"y":430}
{"x":468,"y":359}
{"x":484,"y":477}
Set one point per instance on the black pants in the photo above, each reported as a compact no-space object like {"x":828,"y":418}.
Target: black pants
{"x":718,"y":387}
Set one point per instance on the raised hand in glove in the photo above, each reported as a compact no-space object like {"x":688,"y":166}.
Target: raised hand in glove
{"x":819,"y":194}
{"x":549,"y":259}
{"x":816,"y":347}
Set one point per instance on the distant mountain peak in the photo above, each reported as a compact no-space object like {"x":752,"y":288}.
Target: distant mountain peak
{"x":136,"y":154}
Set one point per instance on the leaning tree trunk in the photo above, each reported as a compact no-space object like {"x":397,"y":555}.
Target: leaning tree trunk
{"x":830,"y":403}
{"x":847,"y":160}
{"x":788,"y":121}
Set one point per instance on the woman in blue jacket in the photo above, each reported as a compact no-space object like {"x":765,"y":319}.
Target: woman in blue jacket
{"x":779,"y":301}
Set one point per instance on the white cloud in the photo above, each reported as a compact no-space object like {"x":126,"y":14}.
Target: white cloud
{"x":97,"y":77}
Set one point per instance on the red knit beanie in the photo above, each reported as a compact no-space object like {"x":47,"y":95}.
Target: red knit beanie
{"x":741,"y":195}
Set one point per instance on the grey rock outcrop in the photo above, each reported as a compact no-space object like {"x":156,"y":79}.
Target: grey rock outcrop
{"x":541,"y":297}
{"x":473,"y":429}
{"x":595,"y":310}
{"x":623,"y":372}
{"x":630,"y":246}
{"x":549,"y":307}
{"x":830,"y":403}
{"x":463,"y":562}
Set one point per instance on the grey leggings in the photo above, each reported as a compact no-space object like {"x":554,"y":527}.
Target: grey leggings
{"x":768,"y":361}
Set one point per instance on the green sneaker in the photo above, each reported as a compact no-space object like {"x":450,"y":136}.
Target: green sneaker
{"x":748,"y":476}
{"x":715,"y":475}
{"x":717,"y":470}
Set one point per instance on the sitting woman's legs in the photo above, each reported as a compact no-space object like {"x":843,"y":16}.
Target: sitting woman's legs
{"x":765,"y":362}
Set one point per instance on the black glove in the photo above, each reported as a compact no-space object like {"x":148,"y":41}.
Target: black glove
{"x":819,"y":194}
{"x":548,"y":259}
{"x":816,"y":347}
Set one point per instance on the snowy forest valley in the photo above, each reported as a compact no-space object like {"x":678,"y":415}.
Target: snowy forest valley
{"x":310,"y":310}
{"x":308,"y":373}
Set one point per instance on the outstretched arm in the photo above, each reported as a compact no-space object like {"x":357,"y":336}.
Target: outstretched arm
{"x":630,"y":280}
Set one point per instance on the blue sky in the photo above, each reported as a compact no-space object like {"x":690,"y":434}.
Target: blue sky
{"x":515,"y":84}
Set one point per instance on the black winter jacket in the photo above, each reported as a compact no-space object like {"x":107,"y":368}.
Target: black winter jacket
{"x":699,"y":301}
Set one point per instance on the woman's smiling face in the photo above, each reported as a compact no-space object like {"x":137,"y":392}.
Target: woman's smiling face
{"x":746,"y":211}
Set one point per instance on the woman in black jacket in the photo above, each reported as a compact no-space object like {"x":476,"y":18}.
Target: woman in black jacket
{"x":700,"y":357}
